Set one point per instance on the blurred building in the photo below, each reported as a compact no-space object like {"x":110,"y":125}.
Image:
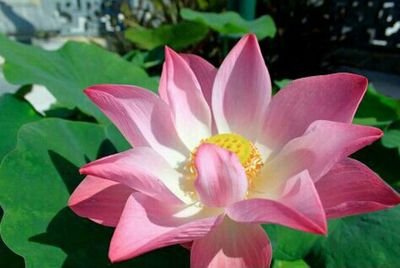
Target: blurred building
{"x":26,"y":18}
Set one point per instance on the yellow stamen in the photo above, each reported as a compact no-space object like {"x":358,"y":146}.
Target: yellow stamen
{"x":248,"y":155}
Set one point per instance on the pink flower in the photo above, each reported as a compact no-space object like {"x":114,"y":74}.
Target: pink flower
{"x":214,"y":157}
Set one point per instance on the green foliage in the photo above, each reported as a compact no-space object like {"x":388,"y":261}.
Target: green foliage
{"x":368,"y":240}
{"x":66,"y":72}
{"x":13,"y":114}
{"x":391,"y":139}
{"x":384,"y":161}
{"x":177,"y":36}
{"x":289,"y":244}
{"x":377,"y":109}
{"x":8,"y":258}
{"x":383,"y":157}
{"x":282,"y":83}
{"x":146,"y":59}
{"x":230,"y":23}
{"x":290,"y":264}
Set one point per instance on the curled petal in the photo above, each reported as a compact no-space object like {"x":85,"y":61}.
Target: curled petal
{"x":221,"y":179}
{"x":298,"y":207}
{"x":351,"y":188}
{"x":232,"y":244}
{"x":100,"y":200}
{"x":323,"y":144}
{"x":242,"y":90}
{"x":147,"y":224}
{"x":333,"y":97}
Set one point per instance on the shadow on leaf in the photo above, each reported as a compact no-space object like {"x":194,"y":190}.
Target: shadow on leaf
{"x":85,"y":242}
{"x":7,"y":257}
{"x":70,"y":172}
{"x":382,"y":160}
{"x":67,"y":171}
{"x":86,"y":245}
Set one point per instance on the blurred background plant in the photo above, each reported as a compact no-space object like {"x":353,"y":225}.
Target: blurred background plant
{"x":49,"y":128}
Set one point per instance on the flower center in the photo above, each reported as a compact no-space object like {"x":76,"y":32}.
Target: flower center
{"x":248,"y":155}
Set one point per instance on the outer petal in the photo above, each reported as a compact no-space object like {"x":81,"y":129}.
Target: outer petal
{"x":162,"y":87}
{"x":232,"y":245}
{"x":242,"y":90}
{"x":323,"y":144}
{"x":205,"y":73}
{"x":148,"y":224}
{"x":333,"y":97}
{"x":298,"y":207}
{"x":141,"y":169}
{"x":351,"y":188}
{"x":221,"y":178}
{"x":183,"y":93}
{"x":100,"y":200}
{"x":142,"y":117}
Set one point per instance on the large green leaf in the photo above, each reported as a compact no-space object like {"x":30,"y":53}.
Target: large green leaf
{"x":289,"y":264}
{"x":36,"y":180}
{"x":382,"y":160}
{"x":391,"y":139}
{"x":230,"y":23}
{"x":289,"y":244}
{"x":146,"y":59}
{"x":383,"y":157}
{"x":368,"y":241}
{"x":377,"y":109}
{"x":69,"y":70}
{"x":177,"y":36}
{"x":8,"y":258}
{"x":13,"y":114}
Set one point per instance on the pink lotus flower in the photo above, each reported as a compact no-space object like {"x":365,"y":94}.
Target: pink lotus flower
{"x":214,"y":157}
